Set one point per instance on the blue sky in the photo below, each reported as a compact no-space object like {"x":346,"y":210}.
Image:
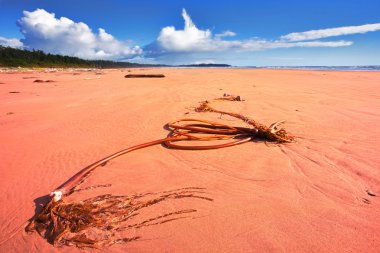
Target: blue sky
{"x":244,"y":33}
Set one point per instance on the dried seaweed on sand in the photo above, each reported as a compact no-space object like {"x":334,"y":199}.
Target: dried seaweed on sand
{"x":271,"y":133}
{"x":99,"y":221}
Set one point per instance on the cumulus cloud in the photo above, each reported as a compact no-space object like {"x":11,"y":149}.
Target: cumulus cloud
{"x":10,"y":42}
{"x":42,"y":30}
{"x":331,"y":32}
{"x":188,"y":39}
{"x":194,"y":40}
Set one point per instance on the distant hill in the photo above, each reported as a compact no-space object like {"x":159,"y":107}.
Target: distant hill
{"x":12,"y":57}
{"x":207,"y":65}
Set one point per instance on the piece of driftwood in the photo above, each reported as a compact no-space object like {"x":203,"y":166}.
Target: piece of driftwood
{"x":144,"y":76}
{"x":42,"y":81}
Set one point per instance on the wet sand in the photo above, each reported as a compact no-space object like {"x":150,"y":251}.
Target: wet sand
{"x":319,"y":194}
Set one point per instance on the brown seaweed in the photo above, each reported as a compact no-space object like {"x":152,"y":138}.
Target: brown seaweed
{"x":271,"y":133}
{"x":101,"y":221}
{"x":96,"y":222}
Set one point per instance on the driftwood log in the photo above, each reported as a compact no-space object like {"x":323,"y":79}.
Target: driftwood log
{"x":42,"y":81}
{"x":144,"y":76}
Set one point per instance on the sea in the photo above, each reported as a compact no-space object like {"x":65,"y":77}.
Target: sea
{"x":335,"y":68}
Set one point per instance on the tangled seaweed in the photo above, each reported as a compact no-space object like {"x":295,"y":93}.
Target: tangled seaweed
{"x":97,"y":222}
{"x":271,"y":133}
{"x":94,"y":222}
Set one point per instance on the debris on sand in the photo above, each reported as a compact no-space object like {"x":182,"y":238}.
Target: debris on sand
{"x":144,"y":76}
{"x":371,"y":193}
{"x":42,"y":81}
{"x":227,"y":96}
{"x":92,"y":78}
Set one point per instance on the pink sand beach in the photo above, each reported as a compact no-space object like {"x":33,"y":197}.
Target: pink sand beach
{"x":318,"y":194}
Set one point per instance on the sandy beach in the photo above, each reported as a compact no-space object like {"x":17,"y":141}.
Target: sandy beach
{"x":318,"y":194}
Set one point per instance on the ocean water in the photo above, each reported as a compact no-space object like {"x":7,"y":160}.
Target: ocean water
{"x":332,"y":68}
{"x":341,"y":68}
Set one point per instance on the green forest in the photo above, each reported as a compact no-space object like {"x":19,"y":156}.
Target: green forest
{"x":11,"y":57}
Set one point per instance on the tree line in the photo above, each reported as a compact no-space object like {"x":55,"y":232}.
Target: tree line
{"x":12,"y":57}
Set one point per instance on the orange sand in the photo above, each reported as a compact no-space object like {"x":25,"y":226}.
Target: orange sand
{"x":308,"y":196}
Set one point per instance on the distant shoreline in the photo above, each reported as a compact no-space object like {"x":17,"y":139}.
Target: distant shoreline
{"x":327,"y":68}
{"x":87,"y":69}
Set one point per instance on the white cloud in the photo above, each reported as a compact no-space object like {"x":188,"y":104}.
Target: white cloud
{"x":43,"y":31}
{"x":340,"y":43}
{"x":194,"y":40}
{"x":63,"y":36}
{"x":188,"y":39}
{"x":258,"y":45}
{"x":10,"y":42}
{"x":225,"y":34}
{"x":331,"y":32}
{"x":207,"y":61}
{"x":285,"y":58}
